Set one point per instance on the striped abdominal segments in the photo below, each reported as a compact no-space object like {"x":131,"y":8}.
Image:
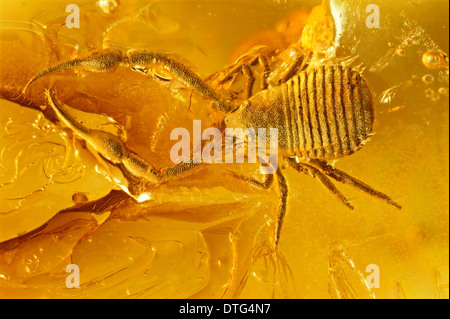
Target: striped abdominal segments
{"x":321,"y":114}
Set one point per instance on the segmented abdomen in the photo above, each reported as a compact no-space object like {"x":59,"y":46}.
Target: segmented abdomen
{"x":328,"y":112}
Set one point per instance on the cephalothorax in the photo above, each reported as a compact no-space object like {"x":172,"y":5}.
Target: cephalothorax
{"x":321,"y":114}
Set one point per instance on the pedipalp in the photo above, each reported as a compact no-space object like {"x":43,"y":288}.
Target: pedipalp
{"x":96,"y":62}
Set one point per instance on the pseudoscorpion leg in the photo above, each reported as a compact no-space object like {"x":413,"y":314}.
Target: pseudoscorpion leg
{"x":314,"y":172}
{"x":297,"y":64}
{"x":283,"y":189}
{"x":345,"y":178}
{"x":268,"y":180}
{"x":283,"y":193}
{"x":246,"y":70}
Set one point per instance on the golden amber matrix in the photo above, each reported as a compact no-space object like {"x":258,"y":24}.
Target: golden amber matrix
{"x":224,"y":149}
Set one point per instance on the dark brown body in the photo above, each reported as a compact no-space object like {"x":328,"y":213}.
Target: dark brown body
{"x":322,"y":113}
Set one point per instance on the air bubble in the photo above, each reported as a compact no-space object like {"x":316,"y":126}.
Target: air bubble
{"x":108,"y":6}
{"x":79,"y":198}
{"x":401,"y":52}
{"x":435,"y":60}
{"x":443,"y":91}
{"x":431,"y":94}
{"x":428,"y":79}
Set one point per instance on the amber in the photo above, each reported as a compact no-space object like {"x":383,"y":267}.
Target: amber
{"x":209,"y":234}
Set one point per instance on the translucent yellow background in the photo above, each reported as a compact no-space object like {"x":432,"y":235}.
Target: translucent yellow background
{"x":202,"y":237}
